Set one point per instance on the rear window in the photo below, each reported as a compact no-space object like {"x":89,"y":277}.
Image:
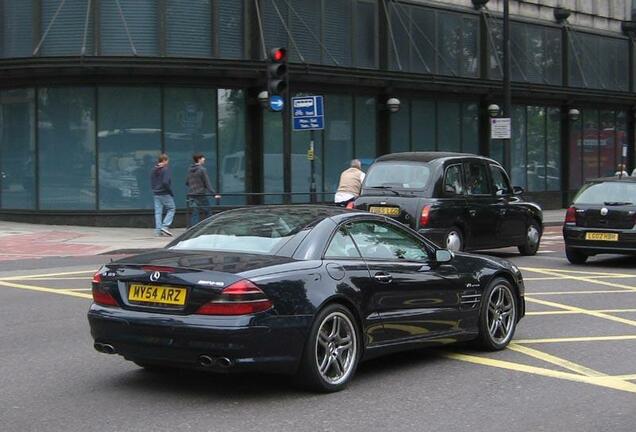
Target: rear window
{"x":398,"y":175}
{"x":607,"y":193}
{"x":250,"y":231}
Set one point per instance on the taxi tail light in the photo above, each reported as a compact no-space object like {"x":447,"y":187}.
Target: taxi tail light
{"x":570,"y":215}
{"x":351,"y":205}
{"x":425,"y":216}
{"x":239,"y":298}
{"x":101,"y":296}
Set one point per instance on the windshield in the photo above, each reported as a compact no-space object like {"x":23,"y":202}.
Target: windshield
{"x":607,"y":193}
{"x":398,"y":175}
{"x":262,"y":231}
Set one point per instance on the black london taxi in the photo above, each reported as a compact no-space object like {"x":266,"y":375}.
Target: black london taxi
{"x":459,"y":201}
{"x":601,"y":219}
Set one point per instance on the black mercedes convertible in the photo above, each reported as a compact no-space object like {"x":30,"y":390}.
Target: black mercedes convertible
{"x":303,"y":290}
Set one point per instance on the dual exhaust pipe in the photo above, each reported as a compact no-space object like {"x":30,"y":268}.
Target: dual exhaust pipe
{"x":207,"y":361}
{"x":105,"y":348}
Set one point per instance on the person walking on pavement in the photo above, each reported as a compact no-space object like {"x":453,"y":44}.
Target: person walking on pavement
{"x":199,"y":187}
{"x":161,"y":183}
{"x":350,"y":184}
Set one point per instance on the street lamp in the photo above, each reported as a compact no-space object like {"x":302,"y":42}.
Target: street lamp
{"x":263,"y":99}
{"x":493,"y":110}
{"x":393,"y":104}
{"x":574,"y":114}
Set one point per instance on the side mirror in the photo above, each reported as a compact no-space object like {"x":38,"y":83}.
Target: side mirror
{"x":443,"y":256}
{"x":517,"y":190}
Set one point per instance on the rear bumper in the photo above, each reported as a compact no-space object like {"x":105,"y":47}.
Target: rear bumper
{"x":269,"y":344}
{"x":574,"y":238}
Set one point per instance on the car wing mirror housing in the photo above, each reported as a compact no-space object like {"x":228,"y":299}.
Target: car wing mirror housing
{"x":517,"y":190}
{"x":443,"y":256}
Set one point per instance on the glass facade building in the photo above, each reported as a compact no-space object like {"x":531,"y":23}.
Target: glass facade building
{"x":93,"y":91}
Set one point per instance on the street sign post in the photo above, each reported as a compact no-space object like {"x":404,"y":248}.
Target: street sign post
{"x":308,"y":114}
{"x":276,"y":103}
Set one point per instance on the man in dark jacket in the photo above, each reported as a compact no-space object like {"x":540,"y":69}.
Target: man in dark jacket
{"x":161,"y":183}
{"x":199,"y":187}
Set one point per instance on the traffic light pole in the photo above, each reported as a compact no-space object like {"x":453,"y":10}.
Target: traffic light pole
{"x":312,"y":165}
{"x":287,"y":145}
{"x":507,"y":93}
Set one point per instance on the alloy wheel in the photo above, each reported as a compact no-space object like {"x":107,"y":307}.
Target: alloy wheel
{"x":533,"y":236}
{"x":501,"y":314}
{"x":336,"y":348}
{"x":454,"y":241}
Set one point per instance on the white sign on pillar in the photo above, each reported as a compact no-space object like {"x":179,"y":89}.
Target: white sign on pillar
{"x":500,"y":128}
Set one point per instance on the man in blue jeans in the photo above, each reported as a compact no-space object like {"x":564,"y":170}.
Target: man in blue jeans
{"x":161,"y":182}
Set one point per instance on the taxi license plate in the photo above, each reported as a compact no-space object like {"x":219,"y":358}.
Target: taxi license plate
{"x":156,"y":294}
{"x":386,"y":211}
{"x":601,"y":236}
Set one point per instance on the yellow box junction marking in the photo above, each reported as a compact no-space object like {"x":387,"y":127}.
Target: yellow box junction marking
{"x":569,"y":312}
{"x":571,"y":274}
{"x":582,"y":311}
{"x":558,"y":361}
{"x":11,"y":282}
{"x":575,"y":339}
{"x":47,"y":290}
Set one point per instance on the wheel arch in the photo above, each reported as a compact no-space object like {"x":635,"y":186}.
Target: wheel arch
{"x":502,"y":274}
{"x":351,"y":307}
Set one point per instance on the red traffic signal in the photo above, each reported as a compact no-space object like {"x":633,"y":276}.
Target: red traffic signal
{"x":278,"y":55}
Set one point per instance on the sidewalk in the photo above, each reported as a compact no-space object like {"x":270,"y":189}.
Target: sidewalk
{"x":553,"y":217}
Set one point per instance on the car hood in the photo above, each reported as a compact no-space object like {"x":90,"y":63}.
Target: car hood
{"x":226,"y":262}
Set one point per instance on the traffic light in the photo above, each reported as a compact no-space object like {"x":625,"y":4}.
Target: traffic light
{"x":277,"y":72}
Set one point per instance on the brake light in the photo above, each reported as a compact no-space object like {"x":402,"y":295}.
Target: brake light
{"x":162,"y":269}
{"x":425,"y":217}
{"x":97,"y":278}
{"x":101,"y":296}
{"x":570,"y":215}
{"x":240,"y":298}
{"x":351,"y":205}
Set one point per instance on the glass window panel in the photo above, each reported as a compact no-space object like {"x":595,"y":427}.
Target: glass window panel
{"x":66,"y":126}
{"x":607,"y":144}
{"x":499,"y":181}
{"x":142,"y":20}
{"x":621,"y":138}
{"x":365,"y":129}
{"x":382,"y":241}
{"x":231,"y":126}
{"x":449,"y":34}
{"x":470,"y":128}
{"x":275,"y":34}
{"x":302,"y":29}
{"x":366,"y":35}
{"x":231,"y":22}
{"x":470,"y":47}
{"x":342,"y":246}
{"x":423,"y":125}
{"x":17,"y":28}
{"x":518,"y":47}
{"x":477,"y":179}
{"x":598,"y":62}
{"x":400,"y":128}
{"x":453,"y":182}
{"x":590,"y":144}
{"x":518,"y":146}
{"x":552,"y":57}
{"x":536,"y":170}
{"x":188,"y":28}
{"x":497,"y":150}
{"x":66,"y":34}
{"x":401,"y":27}
{"x":553,"y":156}
{"x":495,"y":49}
{"x":338,"y":139}
{"x":273,"y":156}
{"x":17,"y":149}
{"x":129,"y":141}
{"x":448,"y":126}
{"x":576,"y":153}
{"x":337,"y":31}
{"x":423,"y":31}
{"x":189,"y":118}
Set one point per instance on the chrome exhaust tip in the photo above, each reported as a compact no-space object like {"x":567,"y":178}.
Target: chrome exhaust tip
{"x":105,"y":348}
{"x":206,"y":361}
{"x":224,"y":362}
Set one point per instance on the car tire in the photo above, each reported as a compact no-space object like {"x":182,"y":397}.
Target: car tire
{"x":332,"y":351}
{"x":498,"y":315}
{"x":454,"y":240}
{"x":575,"y":256}
{"x":532,"y":241}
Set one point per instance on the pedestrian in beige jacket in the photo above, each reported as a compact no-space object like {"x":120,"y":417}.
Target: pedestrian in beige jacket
{"x":350,"y":184}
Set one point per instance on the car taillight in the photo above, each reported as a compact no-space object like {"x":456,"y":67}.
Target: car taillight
{"x":162,"y":269}
{"x":240,"y":298}
{"x":351,"y":205}
{"x":570,"y":215}
{"x":101,"y":296}
{"x":425,"y":216}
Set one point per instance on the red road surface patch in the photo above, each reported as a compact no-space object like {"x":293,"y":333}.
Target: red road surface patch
{"x":44,"y":244}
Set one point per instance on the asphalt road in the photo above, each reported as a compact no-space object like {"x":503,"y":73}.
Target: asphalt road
{"x":571,"y":367}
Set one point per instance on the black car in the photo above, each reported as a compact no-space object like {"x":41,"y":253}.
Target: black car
{"x":601,"y":219}
{"x":459,"y":201}
{"x":305,"y":290}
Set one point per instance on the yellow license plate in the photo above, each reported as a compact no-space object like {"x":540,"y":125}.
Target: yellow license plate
{"x":601,"y":236}
{"x":156,"y":294}
{"x":386,"y":211}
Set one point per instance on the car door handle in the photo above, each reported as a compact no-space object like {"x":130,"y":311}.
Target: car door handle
{"x":503,"y":211}
{"x":472,"y":212}
{"x":383,"y":277}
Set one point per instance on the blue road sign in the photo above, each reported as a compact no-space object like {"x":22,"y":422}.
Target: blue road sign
{"x":308,"y":113}
{"x":276,"y":103}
